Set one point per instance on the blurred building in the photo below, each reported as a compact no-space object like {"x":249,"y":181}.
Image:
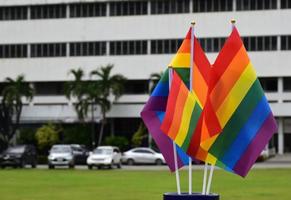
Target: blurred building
{"x":44,"y":39}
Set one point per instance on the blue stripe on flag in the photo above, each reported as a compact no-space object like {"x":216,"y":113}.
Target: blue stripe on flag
{"x":247,"y":133}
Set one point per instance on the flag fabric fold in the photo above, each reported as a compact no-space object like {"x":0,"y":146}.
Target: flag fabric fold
{"x":154,"y":110}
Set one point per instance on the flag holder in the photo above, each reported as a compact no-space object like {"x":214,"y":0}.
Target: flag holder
{"x":193,"y":196}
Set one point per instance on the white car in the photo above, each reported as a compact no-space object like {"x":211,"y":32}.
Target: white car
{"x":61,"y":155}
{"x":142,"y":156}
{"x":104,"y":156}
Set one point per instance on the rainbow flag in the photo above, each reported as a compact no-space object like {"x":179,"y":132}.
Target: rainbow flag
{"x":182,"y":121}
{"x":154,"y":110}
{"x":182,"y":113}
{"x":241,"y":107}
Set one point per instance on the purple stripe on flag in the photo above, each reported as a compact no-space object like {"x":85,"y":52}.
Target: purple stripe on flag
{"x":257,"y":145}
{"x":156,"y":103}
{"x":164,"y":143}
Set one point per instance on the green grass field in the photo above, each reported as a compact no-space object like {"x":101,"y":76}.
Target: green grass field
{"x":62,"y":184}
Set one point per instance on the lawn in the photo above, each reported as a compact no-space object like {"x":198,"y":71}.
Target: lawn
{"x":64,"y":184}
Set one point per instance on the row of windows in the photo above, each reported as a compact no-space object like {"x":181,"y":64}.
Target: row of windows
{"x":212,"y":5}
{"x":170,"y":6}
{"x":128,"y":8}
{"x":48,"y":11}
{"x":165,"y":46}
{"x":256,"y":4}
{"x":125,"y":8}
{"x":285,"y":4}
{"x":135,"y":47}
{"x":128,"y":47}
{"x":87,"y":48}
{"x":48,"y":50}
{"x":286,"y":42}
{"x":269,"y":84}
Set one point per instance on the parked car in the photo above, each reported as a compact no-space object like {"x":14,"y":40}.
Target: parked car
{"x":19,"y":156}
{"x":80,"y":154}
{"x":61,"y":155}
{"x":142,"y":156}
{"x":104,"y":156}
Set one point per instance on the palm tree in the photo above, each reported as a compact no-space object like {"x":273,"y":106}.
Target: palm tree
{"x":77,"y":89}
{"x":108,"y":85}
{"x":83,"y":92}
{"x":11,"y":106}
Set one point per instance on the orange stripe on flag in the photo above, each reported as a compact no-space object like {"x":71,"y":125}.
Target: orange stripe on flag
{"x":181,"y":99}
{"x":229,"y":78}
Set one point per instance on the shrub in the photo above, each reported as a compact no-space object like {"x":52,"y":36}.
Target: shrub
{"x":46,"y":136}
{"x":140,"y":136}
{"x":118,"y":141}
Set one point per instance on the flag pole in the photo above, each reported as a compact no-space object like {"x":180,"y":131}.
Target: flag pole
{"x":204,"y":178}
{"x":212,"y":166}
{"x":190,"y":88}
{"x":210,"y":179}
{"x":174,"y":145}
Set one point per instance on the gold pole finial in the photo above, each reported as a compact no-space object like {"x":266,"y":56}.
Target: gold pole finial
{"x":232,"y":21}
{"x":193,"y":23}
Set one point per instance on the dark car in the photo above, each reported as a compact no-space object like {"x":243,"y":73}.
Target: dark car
{"x":19,"y":156}
{"x":80,"y":154}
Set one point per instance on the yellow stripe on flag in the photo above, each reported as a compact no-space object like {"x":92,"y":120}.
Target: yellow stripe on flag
{"x":236,"y":95}
{"x":181,"y":60}
{"x":208,"y":143}
{"x":210,"y":159}
{"x":186,"y":117}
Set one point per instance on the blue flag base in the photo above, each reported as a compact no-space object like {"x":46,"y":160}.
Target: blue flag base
{"x":193,"y":196}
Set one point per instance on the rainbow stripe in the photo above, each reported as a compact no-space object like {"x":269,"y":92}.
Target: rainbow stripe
{"x":182,"y":113}
{"x":154,"y":110}
{"x":241,"y":108}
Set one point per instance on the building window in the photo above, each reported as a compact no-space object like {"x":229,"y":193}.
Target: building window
{"x":13,"y":51}
{"x":128,"y":47}
{"x":48,"y":50}
{"x":269,"y":84}
{"x":256,"y":4}
{"x":13,"y":13}
{"x":128,"y":8}
{"x":260,"y":43}
{"x":136,"y":87}
{"x":211,"y":44}
{"x":287,"y":84}
{"x":87,"y":48}
{"x":285,"y":4}
{"x":88,"y":10}
{"x":286,"y":42}
{"x":49,"y":88}
{"x":48,"y":11}
{"x":212,"y":5}
{"x":165,"y":46}
{"x":170,"y":6}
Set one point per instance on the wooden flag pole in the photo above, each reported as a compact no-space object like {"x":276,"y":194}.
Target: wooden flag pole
{"x":212,"y":166}
{"x":190,"y":88}
{"x":174,"y":146}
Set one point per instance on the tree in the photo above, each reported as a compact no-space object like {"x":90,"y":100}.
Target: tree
{"x":83,"y":91}
{"x":108,"y":85}
{"x":11,"y":106}
{"x":77,"y":89}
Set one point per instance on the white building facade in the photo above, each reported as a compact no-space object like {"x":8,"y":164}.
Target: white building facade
{"x":45,"y":39}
